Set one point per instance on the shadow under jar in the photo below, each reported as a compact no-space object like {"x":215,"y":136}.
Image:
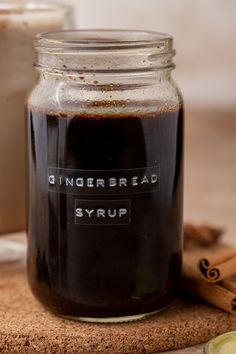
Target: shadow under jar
{"x":105,"y":153}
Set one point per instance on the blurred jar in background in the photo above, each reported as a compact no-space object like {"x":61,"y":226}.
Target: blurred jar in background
{"x":19,"y":23}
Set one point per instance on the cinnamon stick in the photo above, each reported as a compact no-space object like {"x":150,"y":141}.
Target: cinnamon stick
{"x":214,"y":263}
{"x":208,"y":267}
{"x":218,"y":264}
{"x":229,"y":284}
{"x":216,"y":294}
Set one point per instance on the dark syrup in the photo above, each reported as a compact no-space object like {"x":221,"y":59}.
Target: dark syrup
{"x":105,"y":270}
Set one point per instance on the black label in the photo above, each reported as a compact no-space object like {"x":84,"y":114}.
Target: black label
{"x":104,"y":182}
{"x":102,"y":212}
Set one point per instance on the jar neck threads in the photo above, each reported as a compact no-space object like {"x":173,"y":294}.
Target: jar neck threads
{"x":104,"y":51}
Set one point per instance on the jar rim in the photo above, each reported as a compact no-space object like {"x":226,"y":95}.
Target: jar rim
{"x":21,"y":8}
{"x":103,"y":39}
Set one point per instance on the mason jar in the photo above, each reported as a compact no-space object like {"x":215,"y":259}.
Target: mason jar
{"x":105,"y":153}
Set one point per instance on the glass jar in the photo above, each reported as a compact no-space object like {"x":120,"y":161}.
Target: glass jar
{"x":105,"y":135}
{"x":19,"y":23}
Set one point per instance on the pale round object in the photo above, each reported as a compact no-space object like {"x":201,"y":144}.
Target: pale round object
{"x":223,"y":344}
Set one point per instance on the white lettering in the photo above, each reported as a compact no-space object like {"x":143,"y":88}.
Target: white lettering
{"x":89,"y":212}
{"x":52,"y":179}
{"x":69,"y":182}
{"x":101,"y":212}
{"x":112,"y":182}
{"x":90,"y":182}
{"x":79,"y":212}
{"x":134,"y":181}
{"x":100,"y":182}
{"x":122,"y":212}
{"x":145,"y":180}
{"x":103,"y":184}
{"x":153,"y":178}
{"x":79,"y":182}
{"x":123,"y":182}
{"x":110,"y":214}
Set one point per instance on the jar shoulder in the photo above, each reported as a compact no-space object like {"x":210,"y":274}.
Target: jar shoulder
{"x":73,"y":95}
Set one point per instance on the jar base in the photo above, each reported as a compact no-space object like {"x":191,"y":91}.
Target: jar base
{"x":120,"y":319}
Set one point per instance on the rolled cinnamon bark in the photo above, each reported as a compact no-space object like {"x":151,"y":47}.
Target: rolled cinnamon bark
{"x":214,"y":263}
{"x":219,"y":264}
{"x":229,"y":284}
{"x":215,"y":294}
